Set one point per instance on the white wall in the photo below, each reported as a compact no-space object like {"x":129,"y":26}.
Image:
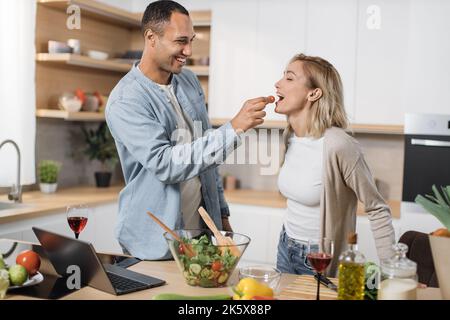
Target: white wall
{"x":392,"y":55}
{"x":17,"y":90}
{"x":140,"y":5}
{"x":399,"y":66}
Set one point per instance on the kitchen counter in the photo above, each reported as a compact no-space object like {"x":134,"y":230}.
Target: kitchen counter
{"x":274,"y":199}
{"x":166,"y":270}
{"x":271,"y":199}
{"x":169,"y":272}
{"x":36,"y":203}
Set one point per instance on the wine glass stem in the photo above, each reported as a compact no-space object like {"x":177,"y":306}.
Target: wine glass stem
{"x":318,"y":286}
{"x":76,"y":235}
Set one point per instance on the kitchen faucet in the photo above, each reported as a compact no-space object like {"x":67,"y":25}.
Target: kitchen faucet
{"x":16,"y":190}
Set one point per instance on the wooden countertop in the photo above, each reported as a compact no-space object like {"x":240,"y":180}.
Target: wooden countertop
{"x":274,"y":199}
{"x":271,"y":199}
{"x":291,"y":286}
{"x":36,"y":203}
{"x":166,"y":270}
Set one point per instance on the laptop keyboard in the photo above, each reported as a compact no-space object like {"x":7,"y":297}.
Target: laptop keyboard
{"x":124,"y":284}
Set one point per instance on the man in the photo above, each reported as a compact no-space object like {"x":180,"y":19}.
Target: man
{"x":154,"y":102}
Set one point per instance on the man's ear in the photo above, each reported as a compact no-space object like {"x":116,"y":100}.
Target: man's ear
{"x":150,"y":36}
{"x":315,"y":94}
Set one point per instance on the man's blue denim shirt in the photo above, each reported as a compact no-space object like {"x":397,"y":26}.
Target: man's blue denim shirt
{"x":141,"y":120}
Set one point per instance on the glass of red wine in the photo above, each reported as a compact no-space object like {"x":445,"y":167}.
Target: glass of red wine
{"x":319,"y":254}
{"x":77,"y":217}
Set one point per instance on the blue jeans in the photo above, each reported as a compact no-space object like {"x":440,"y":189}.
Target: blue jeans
{"x":291,"y":256}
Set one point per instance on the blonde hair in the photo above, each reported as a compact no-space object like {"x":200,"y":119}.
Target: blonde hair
{"x":328,"y":111}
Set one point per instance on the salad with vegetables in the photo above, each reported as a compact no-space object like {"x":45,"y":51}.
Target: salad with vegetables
{"x":207,"y":266}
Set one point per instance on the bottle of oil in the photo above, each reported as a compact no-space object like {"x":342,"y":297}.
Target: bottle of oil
{"x":351,"y":271}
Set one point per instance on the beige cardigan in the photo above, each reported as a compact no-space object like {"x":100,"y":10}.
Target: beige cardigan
{"x":347,"y":178}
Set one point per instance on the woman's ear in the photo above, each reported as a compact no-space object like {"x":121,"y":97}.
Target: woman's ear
{"x":315,"y":94}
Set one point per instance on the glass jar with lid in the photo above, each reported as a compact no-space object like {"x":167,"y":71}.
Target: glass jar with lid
{"x":398,"y":276}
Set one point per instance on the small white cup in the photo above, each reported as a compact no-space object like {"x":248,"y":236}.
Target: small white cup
{"x":75,"y":45}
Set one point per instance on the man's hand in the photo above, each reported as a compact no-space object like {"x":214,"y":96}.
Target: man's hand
{"x":226,"y":224}
{"x":251,"y":114}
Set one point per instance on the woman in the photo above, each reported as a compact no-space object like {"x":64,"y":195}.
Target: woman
{"x":324,"y":173}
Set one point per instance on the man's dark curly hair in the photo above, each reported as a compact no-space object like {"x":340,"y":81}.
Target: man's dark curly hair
{"x":158,"y":13}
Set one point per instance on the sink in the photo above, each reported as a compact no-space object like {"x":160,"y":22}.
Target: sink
{"x":11,"y":205}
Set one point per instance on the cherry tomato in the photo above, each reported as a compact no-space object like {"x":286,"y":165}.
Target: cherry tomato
{"x":271,"y":99}
{"x":30,"y":260}
{"x":216,"y":266}
{"x":80,"y":95}
{"x":181,"y":248}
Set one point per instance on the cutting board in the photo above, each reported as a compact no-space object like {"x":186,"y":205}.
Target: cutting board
{"x":305,"y":287}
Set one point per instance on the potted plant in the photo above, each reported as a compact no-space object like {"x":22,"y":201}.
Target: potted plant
{"x":48,"y":171}
{"x":439,"y":206}
{"x":101,"y":147}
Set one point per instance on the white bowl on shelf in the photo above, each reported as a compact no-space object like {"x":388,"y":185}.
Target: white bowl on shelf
{"x":58,"y":47}
{"x":98,"y":55}
{"x":70,"y":103}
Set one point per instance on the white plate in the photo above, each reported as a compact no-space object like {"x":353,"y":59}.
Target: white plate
{"x":37,"y":278}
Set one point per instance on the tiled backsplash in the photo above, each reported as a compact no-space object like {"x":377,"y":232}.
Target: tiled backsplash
{"x":63,"y":141}
{"x":383,"y":153}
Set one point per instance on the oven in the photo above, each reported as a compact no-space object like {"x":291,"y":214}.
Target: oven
{"x":427,"y":154}
{"x":426,"y":162}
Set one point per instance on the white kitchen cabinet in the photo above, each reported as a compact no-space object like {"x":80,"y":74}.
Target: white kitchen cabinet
{"x":104,"y":227}
{"x":280,"y":35}
{"x":263,"y":226}
{"x":366,"y":242}
{"x":233,"y":46}
{"x":382,"y":46}
{"x":99,"y":229}
{"x":11,"y":235}
{"x":250,"y":48}
{"x":427,"y":61}
{"x":56,"y":222}
{"x":392,"y":55}
{"x":331,"y":34}
{"x":416,"y":218}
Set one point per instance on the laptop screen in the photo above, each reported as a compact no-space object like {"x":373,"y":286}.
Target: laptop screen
{"x":72,"y":257}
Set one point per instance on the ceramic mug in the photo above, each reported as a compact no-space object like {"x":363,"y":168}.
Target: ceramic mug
{"x":75,"y":45}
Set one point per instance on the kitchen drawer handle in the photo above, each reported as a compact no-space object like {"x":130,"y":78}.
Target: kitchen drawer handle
{"x":430,"y":143}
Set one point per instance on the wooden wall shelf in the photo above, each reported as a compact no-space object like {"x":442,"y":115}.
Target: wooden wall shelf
{"x":110,"y":65}
{"x":70,"y":116}
{"x":110,"y":14}
{"x":83,"y":61}
{"x":201,"y":18}
{"x":98,"y":11}
{"x":356,"y":128}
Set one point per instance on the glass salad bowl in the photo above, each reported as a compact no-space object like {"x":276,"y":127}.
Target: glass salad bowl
{"x":264,"y":274}
{"x":200,"y":258}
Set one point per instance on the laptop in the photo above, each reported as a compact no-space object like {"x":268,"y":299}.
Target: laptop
{"x":68,"y":254}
